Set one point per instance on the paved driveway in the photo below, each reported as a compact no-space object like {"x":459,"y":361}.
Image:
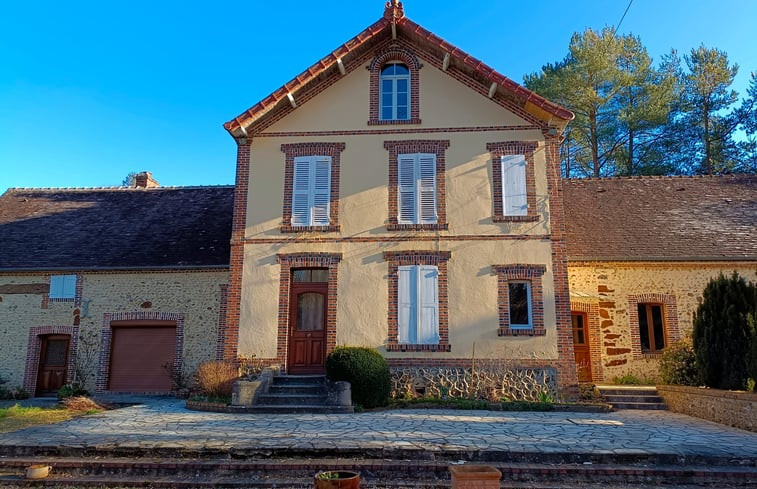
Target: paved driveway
{"x":163,"y":423}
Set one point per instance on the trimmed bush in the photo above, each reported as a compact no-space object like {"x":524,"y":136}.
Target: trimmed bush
{"x":678,"y":365}
{"x":721,"y":331}
{"x":365,"y":369}
{"x":216,"y":379}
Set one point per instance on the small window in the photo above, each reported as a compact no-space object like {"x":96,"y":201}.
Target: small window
{"x":418,"y":305}
{"x":310,"y":275}
{"x":394,"y":93}
{"x":311,"y":192}
{"x":514,"y":195}
{"x":62,"y":286}
{"x":416,"y":188}
{"x":520,"y":305}
{"x":651,"y":328}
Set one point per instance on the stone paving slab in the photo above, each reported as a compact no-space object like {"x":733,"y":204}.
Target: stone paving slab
{"x":165,"y":424}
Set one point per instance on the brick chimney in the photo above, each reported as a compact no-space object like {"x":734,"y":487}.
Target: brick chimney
{"x":145,"y":180}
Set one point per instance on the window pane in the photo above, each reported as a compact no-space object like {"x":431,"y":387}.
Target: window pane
{"x":578,"y":329}
{"x":55,"y":356}
{"x":301,"y":276}
{"x":400,"y":69}
{"x":402,"y":85}
{"x":386,"y":86}
{"x":659,"y":334}
{"x":518,"y":304}
{"x":643,"y":327}
{"x":386,"y":113}
{"x":386,"y":100}
{"x":388,"y":70}
{"x":310,"y":311}
{"x":402,"y":113}
{"x":320,"y":275}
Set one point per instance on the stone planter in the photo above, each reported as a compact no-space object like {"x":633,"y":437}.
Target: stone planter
{"x":37,"y":471}
{"x":342,"y":479}
{"x":475,"y":476}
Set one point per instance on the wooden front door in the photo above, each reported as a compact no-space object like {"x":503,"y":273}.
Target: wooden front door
{"x":307,"y":328}
{"x":53,"y":363}
{"x":581,"y":348}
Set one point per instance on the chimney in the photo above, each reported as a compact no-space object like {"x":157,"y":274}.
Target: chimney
{"x":145,"y":180}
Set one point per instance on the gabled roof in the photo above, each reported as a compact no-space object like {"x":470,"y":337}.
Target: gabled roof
{"x":118,"y":227}
{"x":394,"y":21}
{"x":662,"y":218}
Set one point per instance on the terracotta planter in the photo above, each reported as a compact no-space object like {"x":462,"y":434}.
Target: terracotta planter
{"x":37,"y":471}
{"x":344,"y":480}
{"x":475,"y":476}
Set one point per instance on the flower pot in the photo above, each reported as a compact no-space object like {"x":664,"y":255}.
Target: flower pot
{"x":37,"y":471}
{"x":337,"y":479}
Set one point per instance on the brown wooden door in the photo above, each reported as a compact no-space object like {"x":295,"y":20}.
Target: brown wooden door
{"x":581,"y":348}
{"x":53,"y":363}
{"x":307,"y":328}
{"x":142,"y":357}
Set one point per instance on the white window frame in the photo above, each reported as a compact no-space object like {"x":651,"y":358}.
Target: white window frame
{"x":312,"y":193}
{"x":417,"y":188}
{"x":514,"y":167}
{"x":530,"y":310}
{"x":393,"y":79}
{"x":63,"y":286}
{"x":411,"y":333}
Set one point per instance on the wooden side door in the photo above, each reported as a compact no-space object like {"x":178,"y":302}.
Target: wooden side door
{"x":307,"y":328}
{"x":53,"y":363}
{"x":581,"y":348}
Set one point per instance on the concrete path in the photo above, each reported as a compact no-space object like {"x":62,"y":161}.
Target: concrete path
{"x":162,"y":423}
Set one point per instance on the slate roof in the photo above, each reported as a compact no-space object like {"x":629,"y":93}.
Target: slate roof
{"x":662,"y":218}
{"x":115,"y":227}
{"x":380,"y":30}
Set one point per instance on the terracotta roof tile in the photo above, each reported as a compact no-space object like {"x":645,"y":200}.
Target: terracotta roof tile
{"x":115,"y":227}
{"x":662,"y":218}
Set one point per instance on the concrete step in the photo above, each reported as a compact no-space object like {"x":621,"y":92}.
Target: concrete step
{"x":613,"y":398}
{"x":632,"y":397}
{"x":385,"y":473}
{"x":300,"y":379}
{"x":645,"y":406}
{"x":297,"y":389}
{"x":627,"y":390}
{"x":293,"y":399}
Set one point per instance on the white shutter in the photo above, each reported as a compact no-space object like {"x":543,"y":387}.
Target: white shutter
{"x":514,"y":201}
{"x":429,"y":306}
{"x":56,"y":286}
{"x":321,"y":191}
{"x":301,"y":192}
{"x":406,"y":304}
{"x":427,"y":188}
{"x":406,"y":189}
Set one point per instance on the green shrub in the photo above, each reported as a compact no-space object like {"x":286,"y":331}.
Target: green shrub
{"x":71,"y":390}
{"x":678,"y":364}
{"x":626,"y":379}
{"x":751,"y":360}
{"x":722,"y":333}
{"x":365,"y":369}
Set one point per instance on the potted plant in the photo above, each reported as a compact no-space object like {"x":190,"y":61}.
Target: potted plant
{"x":337,"y":479}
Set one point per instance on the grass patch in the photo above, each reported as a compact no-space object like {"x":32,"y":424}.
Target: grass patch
{"x":17,"y":418}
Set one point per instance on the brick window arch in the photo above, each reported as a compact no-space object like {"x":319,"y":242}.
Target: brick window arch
{"x":394,"y":55}
{"x":668,"y":306}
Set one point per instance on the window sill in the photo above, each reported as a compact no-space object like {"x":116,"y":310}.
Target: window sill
{"x":61,"y":299}
{"x":417,"y":227}
{"x":407,"y":347}
{"x":382,"y":122}
{"x":651,"y":356}
{"x":332,"y":228}
{"x":521,"y":332}
{"x":532,"y":218}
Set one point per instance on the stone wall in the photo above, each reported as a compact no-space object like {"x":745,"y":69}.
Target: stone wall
{"x":610,"y":291}
{"x":738,"y":409}
{"x":26,"y":308}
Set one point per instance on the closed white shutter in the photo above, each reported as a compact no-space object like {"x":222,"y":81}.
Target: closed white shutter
{"x":311,"y":191}
{"x":427,"y":188}
{"x":406,"y":189}
{"x":428,"y":333}
{"x":514,"y":201}
{"x":321,"y":191}
{"x":301,"y":192}
{"x":406,"y":304}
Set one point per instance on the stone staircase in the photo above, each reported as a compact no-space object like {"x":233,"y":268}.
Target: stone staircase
{"x":632,"y":397}
{"x":298,"y":394}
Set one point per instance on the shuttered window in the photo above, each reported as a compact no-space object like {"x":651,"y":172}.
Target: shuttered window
{"x":311,"y":191}
{"x":417,"y":188}
{"x":62,"y":286}
{"x":514,"y":197}
{"x":418,"y":305}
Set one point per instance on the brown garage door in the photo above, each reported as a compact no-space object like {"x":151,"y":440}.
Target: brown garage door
{"x":142,"y":357}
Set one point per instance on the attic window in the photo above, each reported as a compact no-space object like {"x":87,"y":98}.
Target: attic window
{"x":394,"y":88}
{"x":394,"y":92}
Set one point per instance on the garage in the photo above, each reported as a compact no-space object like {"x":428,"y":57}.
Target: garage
{"x":142,"y":356}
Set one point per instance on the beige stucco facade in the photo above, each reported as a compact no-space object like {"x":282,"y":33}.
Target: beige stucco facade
{"x":195,"y":295}
{"x":612,"y":288}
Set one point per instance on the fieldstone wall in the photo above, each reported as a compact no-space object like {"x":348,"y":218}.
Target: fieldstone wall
{"x":738,"y":409}
{"x":489,"y":381}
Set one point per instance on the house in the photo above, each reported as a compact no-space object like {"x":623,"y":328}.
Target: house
{"x":640,"y":252}
{"x":400,"y":194}
{"x":124,"y":287}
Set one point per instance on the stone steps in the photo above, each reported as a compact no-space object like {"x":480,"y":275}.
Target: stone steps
{"x":296,"y":473}
{"x":632,"y":397}
{"x":297,"y":394}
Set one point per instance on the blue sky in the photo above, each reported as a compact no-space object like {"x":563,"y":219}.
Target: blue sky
{"x":92,"y":90}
